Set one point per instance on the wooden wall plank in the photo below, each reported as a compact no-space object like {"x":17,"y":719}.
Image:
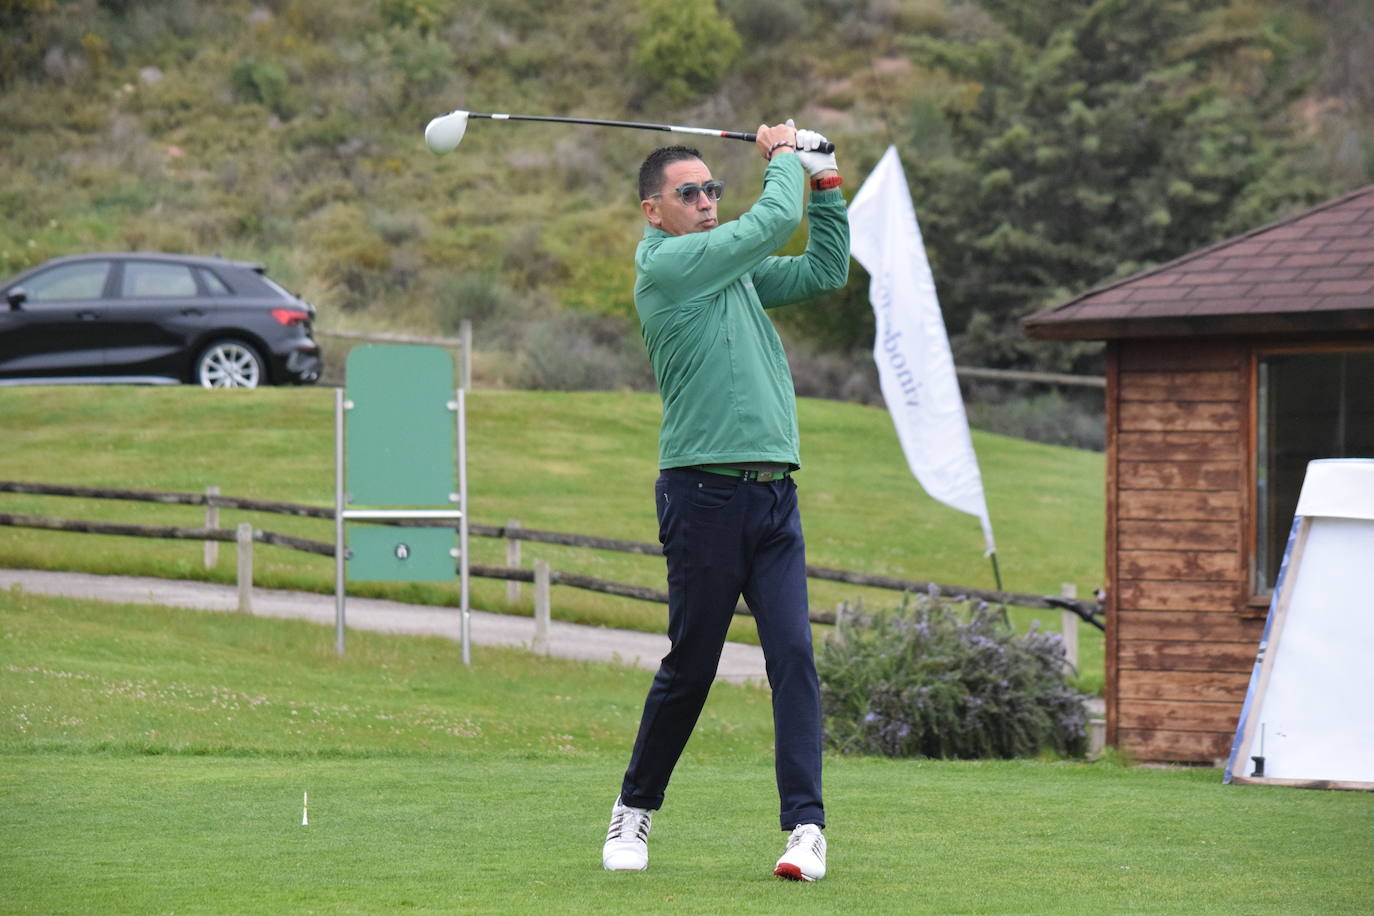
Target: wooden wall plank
{"x":1156,"y":715}
{"x":1189,"y":505}
{"x":1140,"y":534}
{"x":1180,"y":564}
{"x":1160,"y":595}
{"x":1181,"y":475}
{"x":1176,"y":746}
{"x":1184,"y":416}
{"x":1189,"y":626}
{"x":1215,"y":686}
{"x":1182,"y":355}
{"x":1111,"y":404}
{"x":1167,"y":655}
{"x":1221,"y":385}
{"x":1250,"y":489}
{"x":1180,"y":655}
{"x":1180,"y":446}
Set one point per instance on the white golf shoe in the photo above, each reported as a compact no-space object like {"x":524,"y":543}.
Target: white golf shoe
{"x":804,"y":859}
{"x":627,"y":840}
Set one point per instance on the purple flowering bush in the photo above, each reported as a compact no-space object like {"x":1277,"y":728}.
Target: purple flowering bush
{"x":938,"y":678}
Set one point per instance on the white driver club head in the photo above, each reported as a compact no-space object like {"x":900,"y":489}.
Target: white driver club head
{"x":446,"y":131}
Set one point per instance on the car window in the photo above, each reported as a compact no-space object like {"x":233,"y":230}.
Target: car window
{"x":213,"y":283}
{"x":151,"y":280}
{"x":85,"y":280}
{"x":277,"y":287}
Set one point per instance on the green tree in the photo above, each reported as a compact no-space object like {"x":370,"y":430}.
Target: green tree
{"x":1086,"y":140}
{"x":685,"y":46}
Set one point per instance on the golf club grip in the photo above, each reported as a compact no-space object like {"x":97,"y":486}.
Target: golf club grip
{"x":826,"y":147}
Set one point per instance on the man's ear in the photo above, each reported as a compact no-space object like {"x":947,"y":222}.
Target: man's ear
{"x":650,"y":208}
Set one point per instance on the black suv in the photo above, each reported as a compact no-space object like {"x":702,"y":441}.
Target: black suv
{"x":155,"y":318}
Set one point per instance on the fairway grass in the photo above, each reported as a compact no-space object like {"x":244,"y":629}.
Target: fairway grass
{"x":97,"y":833}
{"x":154,"y":760}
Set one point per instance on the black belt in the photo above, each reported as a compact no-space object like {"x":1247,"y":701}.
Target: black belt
{"x":729,"y":470}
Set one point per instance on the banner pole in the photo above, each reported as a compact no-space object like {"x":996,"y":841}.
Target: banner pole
{"x":997,"y":577}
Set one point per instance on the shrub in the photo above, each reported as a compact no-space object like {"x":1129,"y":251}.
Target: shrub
{"x":575,"y":352}
{"x":265,"y":83}
{"x":924,"y":680}
{"x":421,"y":15}
{"x":349,"y":254}
{"x":686,"y":46}
{"x":1053,"y":417}
{"x":423,"y":62}
{"x":472,"y":296}
{"x":766,"y":21}
{"x":818,"y":373}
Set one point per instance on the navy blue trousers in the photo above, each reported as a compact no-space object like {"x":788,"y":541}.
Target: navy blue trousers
{"x":724,"y":537}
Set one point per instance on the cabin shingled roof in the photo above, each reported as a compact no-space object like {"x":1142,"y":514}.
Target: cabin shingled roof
{"x":1310,"y":272}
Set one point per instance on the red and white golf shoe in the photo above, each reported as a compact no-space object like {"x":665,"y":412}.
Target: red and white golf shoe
{"x":804,"y":859}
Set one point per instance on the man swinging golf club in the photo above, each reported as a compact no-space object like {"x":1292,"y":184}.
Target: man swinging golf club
{"x":726,"y":501}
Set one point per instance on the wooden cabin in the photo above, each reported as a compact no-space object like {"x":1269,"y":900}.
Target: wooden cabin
{"x":1227,"y":371}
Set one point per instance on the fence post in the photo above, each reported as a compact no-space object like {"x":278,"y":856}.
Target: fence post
{"x":512,"y":560}
{"x":211,"y":521}
{"x":1069,"y":624}
{"x":541,"y":607}
{"x":245,"y":550}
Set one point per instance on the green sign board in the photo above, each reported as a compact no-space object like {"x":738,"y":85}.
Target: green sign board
{"x":401,"y":430}
{"x":385,"y":553}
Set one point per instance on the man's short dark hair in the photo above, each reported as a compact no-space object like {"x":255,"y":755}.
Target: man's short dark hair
{"x":651,"y":172}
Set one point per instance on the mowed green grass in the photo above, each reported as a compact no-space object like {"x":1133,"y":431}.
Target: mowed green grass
{"x":573,"y":462}
{"x":155,"y":760}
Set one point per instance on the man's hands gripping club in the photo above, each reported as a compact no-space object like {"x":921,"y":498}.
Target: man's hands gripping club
{"x":776,"y":140}
{"x":818,"y":164}
{"x":806,"y":144}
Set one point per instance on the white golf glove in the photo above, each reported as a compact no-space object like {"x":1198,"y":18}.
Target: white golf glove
{"x":815,"y":162}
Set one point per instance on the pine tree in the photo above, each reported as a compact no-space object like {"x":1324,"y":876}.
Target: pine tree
{"x":1087,"y":140}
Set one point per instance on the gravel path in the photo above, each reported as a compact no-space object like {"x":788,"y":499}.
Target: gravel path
{"x":739,"y":663}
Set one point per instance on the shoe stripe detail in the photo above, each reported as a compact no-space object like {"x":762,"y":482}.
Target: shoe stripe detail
{"x":629,"y":825}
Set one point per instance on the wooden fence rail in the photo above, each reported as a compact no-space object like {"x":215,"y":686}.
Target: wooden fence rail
{"x":1086,"y":610}
{"x":168,"y":532}
{"x":1043,"y":378}
{"x":180,"y":499}
{"x":1000,"y":375}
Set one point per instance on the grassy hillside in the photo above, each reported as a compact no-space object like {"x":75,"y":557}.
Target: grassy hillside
{"x":290,"y":132}
{"x":154,"y":760}
{"x":582,"y":463}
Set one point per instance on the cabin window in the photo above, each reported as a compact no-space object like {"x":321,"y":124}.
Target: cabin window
{"x":1311,"y":405}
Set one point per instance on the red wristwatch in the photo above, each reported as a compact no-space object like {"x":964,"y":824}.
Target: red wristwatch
{"x":825,"y":184}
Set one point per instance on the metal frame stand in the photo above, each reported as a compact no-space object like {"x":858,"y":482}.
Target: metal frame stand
{"x":341,"y":515}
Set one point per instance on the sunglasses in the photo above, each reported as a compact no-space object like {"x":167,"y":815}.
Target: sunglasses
{"x":688,"y":193}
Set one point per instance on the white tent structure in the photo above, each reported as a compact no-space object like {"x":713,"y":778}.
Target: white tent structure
{"x":1308,"y":720}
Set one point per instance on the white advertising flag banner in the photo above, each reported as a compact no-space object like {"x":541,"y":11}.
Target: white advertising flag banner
{"x":915,"y":366}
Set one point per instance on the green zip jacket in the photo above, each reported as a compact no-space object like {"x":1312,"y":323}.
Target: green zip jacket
{"x":726,"y":388}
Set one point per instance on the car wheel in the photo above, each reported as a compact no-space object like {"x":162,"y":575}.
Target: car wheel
{"x":229,"y":364}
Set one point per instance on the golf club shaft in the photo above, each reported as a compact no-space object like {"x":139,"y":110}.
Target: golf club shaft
{"x":827,"y":147}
